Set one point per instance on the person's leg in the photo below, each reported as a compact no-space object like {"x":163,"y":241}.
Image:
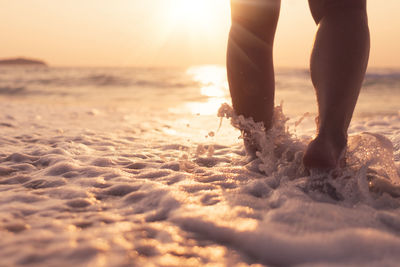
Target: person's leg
{"x":338,"y":64}
{"x":249,"y":58}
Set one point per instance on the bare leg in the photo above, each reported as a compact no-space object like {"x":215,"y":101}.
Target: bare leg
{"x":338,"y":64}
{"x":249,"y":58}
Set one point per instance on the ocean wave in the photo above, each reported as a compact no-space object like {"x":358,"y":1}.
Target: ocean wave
{"x":106,"y":80}
{"x":161,"y":78}
{"x":11,"y":90}
{"x":382,"y":79}
{"x":93,"y":77}
{"x":24,"y":91}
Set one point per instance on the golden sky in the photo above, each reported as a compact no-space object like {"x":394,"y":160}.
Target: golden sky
{"x":165,"y":32}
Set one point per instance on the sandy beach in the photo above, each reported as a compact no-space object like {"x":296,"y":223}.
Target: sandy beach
{"x":98,"y":174}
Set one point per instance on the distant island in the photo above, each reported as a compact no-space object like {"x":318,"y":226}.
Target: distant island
{"x":22,"y":62}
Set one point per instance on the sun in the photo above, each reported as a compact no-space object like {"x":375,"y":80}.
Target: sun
{"x":196,"y":14}
{"x":194,"y":31}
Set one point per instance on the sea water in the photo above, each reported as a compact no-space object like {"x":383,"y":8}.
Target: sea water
{"x":143,"y":166}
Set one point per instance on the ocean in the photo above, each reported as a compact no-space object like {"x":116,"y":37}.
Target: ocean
{"x":144,"y":167}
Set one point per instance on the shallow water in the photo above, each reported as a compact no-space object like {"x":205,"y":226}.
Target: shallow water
{"x":101,"y":172}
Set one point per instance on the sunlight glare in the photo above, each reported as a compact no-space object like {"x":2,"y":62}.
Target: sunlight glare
{"x":212,"y":91}
{"x":208,"y":74}
{"x":212,"y":82}
{"x":206,"y":108}
{"x":214,"y":85}
{"x":212,"y":78}
{"x":191,"y":11}
{"x":196,"y":13}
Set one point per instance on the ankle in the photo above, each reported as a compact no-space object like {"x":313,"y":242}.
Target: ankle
{"x":338,"y":139}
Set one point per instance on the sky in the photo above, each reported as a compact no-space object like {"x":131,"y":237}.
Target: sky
{"x":166,"y":32}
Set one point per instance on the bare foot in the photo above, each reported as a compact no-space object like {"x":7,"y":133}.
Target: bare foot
{"x":324,"y":153}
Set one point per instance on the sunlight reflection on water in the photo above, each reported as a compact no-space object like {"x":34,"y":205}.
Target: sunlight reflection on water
{"x":213,"y":85}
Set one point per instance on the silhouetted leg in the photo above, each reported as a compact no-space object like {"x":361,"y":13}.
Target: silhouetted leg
{"x":338,"y":64}
{"x":249,"y":58}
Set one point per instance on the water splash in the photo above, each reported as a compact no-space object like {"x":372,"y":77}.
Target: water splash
{"x":276,"y":148}
{"x":369,"y":175}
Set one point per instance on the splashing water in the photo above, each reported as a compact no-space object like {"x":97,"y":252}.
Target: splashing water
{"x":275,"y":147}
{"x":370,"y":172}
